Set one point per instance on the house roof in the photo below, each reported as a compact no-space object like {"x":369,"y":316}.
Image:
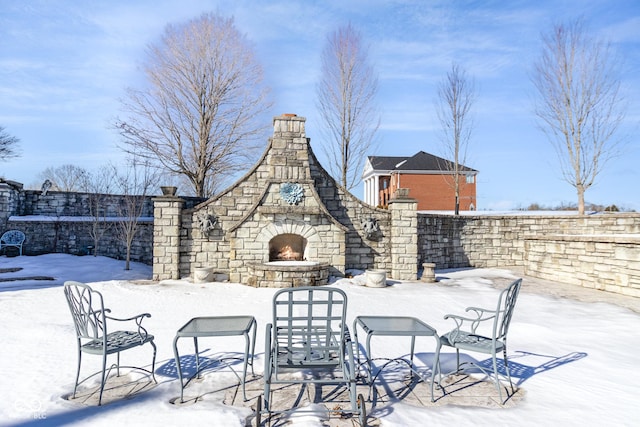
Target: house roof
{"x":420,"y":161}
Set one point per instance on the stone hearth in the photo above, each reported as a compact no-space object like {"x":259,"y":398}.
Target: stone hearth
{"x":284,"y":274}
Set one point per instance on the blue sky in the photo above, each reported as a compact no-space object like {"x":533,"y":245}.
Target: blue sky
{"x":64,"y":64}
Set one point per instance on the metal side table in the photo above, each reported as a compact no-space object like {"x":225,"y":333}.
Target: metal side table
{"x":393,"y":326}
{"x":217,"y":326}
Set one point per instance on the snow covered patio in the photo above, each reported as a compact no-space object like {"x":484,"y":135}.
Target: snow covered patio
{"x":573,"y":351}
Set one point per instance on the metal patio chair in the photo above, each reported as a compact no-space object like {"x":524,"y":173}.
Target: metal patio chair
{"x":90,"y":320}
{"x":309,"y":338}
{"x":468,"y":335}
{"x":12,"y":238}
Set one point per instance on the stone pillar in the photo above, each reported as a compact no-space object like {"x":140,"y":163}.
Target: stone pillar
{"x":404,"y":236}
{"x":167,"y":212}
{"x":9,"y":201}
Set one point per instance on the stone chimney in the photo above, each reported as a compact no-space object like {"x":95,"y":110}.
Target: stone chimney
{"x":289,"y":153}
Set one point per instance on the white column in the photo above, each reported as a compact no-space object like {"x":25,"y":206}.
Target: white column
{"x":376,"y":190}
{"x":372,"y":195}
{"x":366,"y":191}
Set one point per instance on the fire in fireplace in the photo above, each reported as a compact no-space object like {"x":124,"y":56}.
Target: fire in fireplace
{"x":287,"y":247}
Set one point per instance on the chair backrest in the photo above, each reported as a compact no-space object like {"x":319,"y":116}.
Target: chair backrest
{"x":13,"y":237}
{"x":504,"y":311}
{"x":309,"y":325}
{"x":87,"y":310}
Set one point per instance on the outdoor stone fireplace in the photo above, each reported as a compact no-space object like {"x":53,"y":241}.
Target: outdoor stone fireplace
{"x":284,"y":223}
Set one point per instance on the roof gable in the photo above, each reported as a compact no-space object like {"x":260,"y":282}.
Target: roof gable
{"x":420,"y":161}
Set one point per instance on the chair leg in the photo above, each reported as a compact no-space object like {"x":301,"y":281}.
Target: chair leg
{"x":496,"y":375}
{"x":268,"y":369}
{"x":75,"y":387}
{"x":259,"y":411}
{"x":506,"y":368}
{"x":153,"y":362}
{"x":104,"y":373}
{"x":435,"y":369}
{"x":267,"y":392}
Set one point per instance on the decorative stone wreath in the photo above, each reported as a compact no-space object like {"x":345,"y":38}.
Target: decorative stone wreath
{"x":291,"y":193}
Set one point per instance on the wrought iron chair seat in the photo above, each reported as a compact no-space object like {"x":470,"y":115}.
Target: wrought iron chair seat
{"x":116,"y":342}
{"x":472,"y":342}
{"x":311,"y":353}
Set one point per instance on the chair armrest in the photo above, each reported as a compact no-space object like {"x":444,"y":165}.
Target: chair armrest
{"x":138,"y":319}
{"x":481,"y":315}
{"x":347,"y":335}
{"x":480,"y":311}
{"x":347,"y":344}
{"x":268,"y":337}
{"x":349,"y":365}
{"x":267,"y":352}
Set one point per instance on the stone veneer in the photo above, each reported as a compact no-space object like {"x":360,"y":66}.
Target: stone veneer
{"x":252,"y":211}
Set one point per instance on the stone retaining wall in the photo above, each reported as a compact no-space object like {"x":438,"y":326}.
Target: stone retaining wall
{"x":51,"y":235}
{"x":60,"y":222}
{"x":595,"y":251}
{"x":610,"y":263}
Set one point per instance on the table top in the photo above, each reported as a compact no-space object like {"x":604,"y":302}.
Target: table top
{"x":216,"y":326}
{"x":395,"y":325}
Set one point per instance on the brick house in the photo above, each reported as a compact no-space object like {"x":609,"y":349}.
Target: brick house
{"x":429,"y":179}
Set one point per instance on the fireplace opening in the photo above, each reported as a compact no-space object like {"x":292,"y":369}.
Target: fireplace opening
{"x":287,"y":247}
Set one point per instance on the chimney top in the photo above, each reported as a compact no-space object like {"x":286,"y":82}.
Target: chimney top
{"x":290,"y":123}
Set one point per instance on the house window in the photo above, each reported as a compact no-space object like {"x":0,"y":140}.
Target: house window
{"x":471,"y":179}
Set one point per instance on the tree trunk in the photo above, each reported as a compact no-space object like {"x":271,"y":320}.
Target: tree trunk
{"x":580,"y":200}
{"x":127,"y":262}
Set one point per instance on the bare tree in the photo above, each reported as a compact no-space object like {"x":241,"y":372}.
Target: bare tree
{"x":8,"y":145}
{"x":578,"y":103}
{"x":346,"y":100}
{"x":456,"y":95}
{"x":99,"y":185}
{"x":66,"y":177}
{"x":134,"y":184}
{"x":199,"y":115}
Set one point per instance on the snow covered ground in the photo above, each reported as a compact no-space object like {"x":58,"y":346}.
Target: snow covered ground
{"x":579,"y":359}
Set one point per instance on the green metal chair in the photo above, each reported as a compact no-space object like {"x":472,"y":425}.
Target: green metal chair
{"x":309,"y":338}
{"x":90,"y":320}
{"x":468,"y":335}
